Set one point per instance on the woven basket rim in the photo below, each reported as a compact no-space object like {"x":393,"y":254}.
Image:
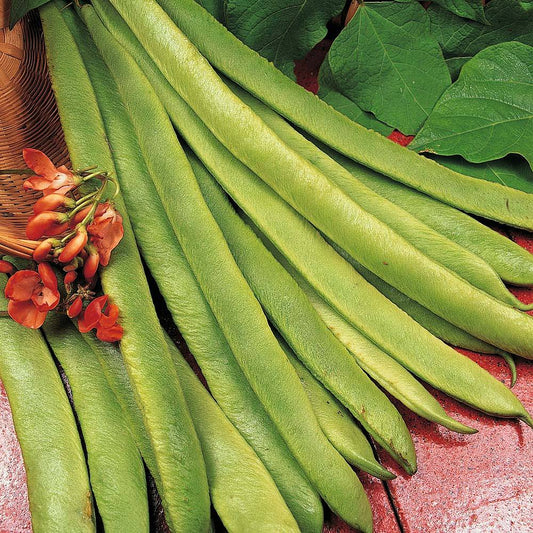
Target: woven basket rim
{"x":28,"y":119}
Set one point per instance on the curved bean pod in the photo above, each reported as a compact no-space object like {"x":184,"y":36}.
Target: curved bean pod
{"x":513,"y":263}
{"x":146,"y":356}
{"x":243,"y":493}
{"x":386,"y":371}
{"x":433,"y":323}
{"x":294,"y":317}
{"x":116,"y":470}
{"x":263,"y":80}
{"x":431,"y":243}
{"x":393,"y":377}
{"x":272,"y":377}
{"x":58,"y":483}
{"x":188,"y":306}
{"x":337,"y":423}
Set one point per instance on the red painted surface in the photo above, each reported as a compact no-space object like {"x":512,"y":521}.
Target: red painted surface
{"x":480,"y":483}
{"x":476,"y":483}
{"x":14,"y":506}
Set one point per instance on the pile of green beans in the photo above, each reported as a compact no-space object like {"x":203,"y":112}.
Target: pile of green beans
{"x":310,"y":265}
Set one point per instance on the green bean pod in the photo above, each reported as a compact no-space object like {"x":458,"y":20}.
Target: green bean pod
{"x":213,"y":153}
{"x":383,"y":369}
{"x":292,"y":314}
{"x":259,"y":77}
{"x":188,"y":306}
{"x":337,"y":423}
{"x":301,"y":184}
{"x":341,"y":286}
{"x":433,"y":323}
{"x":271,"y":376}
{"x":146,"y":355}
{"x":393,"y":377}
{"x":513,"y":263}
{"x":116,"y":470}
{"x":436,"y":246}
{"x":56,"y":473}
{"x":242,"y":491}
{"x":113,"y":367}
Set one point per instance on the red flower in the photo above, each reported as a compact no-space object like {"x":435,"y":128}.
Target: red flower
{"x":49,"y":179}
{"x":41,"y":252}
{"x":104,"y":320}
{"x":6,"y":267}
{"x":106,"y":231}
{"x":48,"y":223}
{"x":74,"y":246}
{"x":75,"y":307}
{"x":52,"y":202}
{"x":31,"y":295}
{"x":91,"y":263}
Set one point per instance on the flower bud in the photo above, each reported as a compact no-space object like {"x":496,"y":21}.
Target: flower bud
{"x":80,"y":215}
{"x":91,"y":264}
{"x":74,"y":246}
{"x":46,"y":223}
{"x":70,"y":277}
{"x":41,"y":252}
{"x":75,"y":308}
{"x":48,"y":275}
{"x":6,"y":267}
{"x":51,"y":202}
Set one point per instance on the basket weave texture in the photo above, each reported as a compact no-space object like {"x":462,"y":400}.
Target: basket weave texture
{"x":28,"y":119}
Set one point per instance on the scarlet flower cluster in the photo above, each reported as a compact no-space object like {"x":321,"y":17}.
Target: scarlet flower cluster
{"x":80,"y":233}
{"x":88,"y":227}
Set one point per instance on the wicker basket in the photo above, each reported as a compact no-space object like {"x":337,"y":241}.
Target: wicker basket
{"x":28,"y":119}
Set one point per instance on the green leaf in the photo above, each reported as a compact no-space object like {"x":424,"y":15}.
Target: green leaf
{"x":488,"y":112}
{"x":20,"y":7}
{"x":455,"y":64}
{"x":512,"y":171}
{"x":468,"y":9}
{"x":279,"y":30}
{"x":508,"y":20}
{"x":329,"y":93}
{"x":387,"y":62}
{"x":215,"y":7}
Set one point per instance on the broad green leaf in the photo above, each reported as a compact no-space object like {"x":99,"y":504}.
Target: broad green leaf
{"x":488,"y":112}
{"x":388,"y":63}
{"x":20,"y":7}
{"x":468,"y":9}
{"x":279,"y":30}
{"x":330,"y":94}
{"x":512,"y":171}
{"x":508,"y":20}
{"x":215,"y":7}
